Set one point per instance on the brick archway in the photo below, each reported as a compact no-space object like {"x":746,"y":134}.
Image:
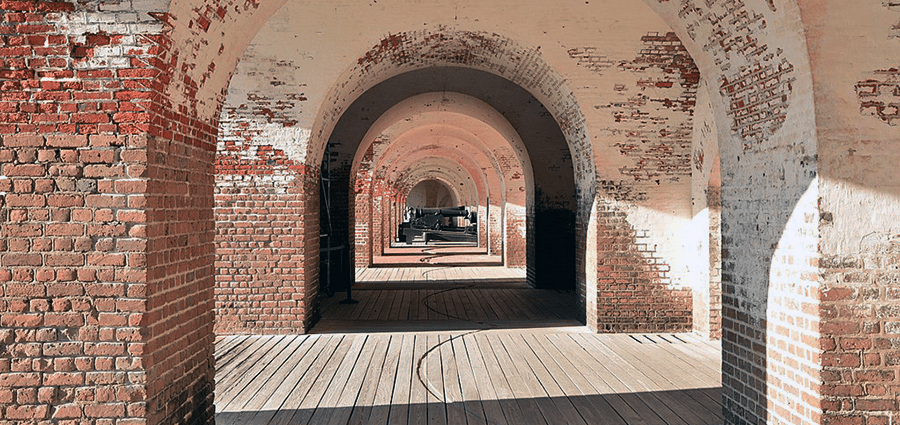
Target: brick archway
{"x":376,"y":226}
{"x":432,"y":191}
{"x":726,"y":118}
{"x":461,"y":175}
{"x":465,"y":128}
{"x":116,"y":201}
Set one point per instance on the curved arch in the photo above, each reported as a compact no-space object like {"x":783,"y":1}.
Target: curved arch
{"x":477,"y":130}
{"x":197,"y":35}
{"x":485,"y":124}
{"x":508,"y":197}
{"x":372,"y":236}
{"x":440,"y":193}
{"x":398,"y":154}
{"x":416,"y":161}
{"x":373,"y":220}
{"x":492,"y":53}
{"x":752,"y":53}
{"x":402,"y":152}
{"x":432,"y":160}
{"x":761,"y":92}
{"x":452,"y":178}
{"x":723,"y":64}
{"x":495,"y":194}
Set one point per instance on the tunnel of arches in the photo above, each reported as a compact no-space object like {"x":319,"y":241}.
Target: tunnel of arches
{"x":180,"y":169}
{"x":431,"y":193}
{"x":451,"y":138}
{"x":403,"y":117}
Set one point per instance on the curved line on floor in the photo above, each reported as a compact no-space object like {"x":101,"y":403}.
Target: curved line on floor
{"x":427,"y":384}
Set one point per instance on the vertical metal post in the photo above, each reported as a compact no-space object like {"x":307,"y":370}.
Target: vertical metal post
{"x":326,"y":196}
{"x":487,"y":223}
{"x":346,"y":261}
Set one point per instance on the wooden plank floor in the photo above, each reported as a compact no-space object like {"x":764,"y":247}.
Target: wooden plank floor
{"x":462,"y":298}
{"x":537,"y":376}
{"x":416,"y":255}
{"x":485,"y":275}
{"x":468,"y":345}
{"x":458,"y":303}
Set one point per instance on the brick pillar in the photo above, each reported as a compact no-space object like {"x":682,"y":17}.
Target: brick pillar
{"x":106,"y":244}
{"x":178,"y":323}
{"x":382,"y":221}
{"x":633,"y":293}
{"x":267,"y":240}
{"x":860,"y":326}
{"x":516,"y":228}
{"x":497,"y":216}
{"x":363,"y":227}
{"x":857,"y":88}
{"x":377,"y":216}
{"x":73,"y":256}
{"x":713,"y":308}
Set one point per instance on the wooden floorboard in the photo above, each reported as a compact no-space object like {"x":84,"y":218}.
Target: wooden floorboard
{"x":403,"y":382}
{"x":460,"y":303}
{"x":484,"y":377}
{"x":472,"y":345}
{"x":418,"y":397}
{"x":433,"y":382}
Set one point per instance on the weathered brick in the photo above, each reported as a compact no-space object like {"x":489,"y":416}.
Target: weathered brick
{"x":21,"y":259}
{"x":67,"y":411}
{"x":109,"y":410}
{"x":67,"y":141}
{"x":24,"y":170}
{"x":22,"y":140}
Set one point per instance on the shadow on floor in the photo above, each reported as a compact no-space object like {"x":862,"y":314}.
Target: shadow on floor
{"x":373,"y":326}
{"x":487,"y":283}
{"x":679,"y":407}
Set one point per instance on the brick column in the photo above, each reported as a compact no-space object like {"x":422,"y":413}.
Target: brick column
{"x":266,"y":236}
{"x":633,"y":293}
{"x":178,"y":322}
{"x":106,"y":235}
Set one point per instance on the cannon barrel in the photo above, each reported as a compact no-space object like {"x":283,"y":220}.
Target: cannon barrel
{"x":446,"y":212}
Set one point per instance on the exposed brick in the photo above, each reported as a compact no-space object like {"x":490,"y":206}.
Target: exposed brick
{"x":67,"y":141}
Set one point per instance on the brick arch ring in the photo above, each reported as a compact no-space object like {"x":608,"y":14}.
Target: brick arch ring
{"x":465,"y":128}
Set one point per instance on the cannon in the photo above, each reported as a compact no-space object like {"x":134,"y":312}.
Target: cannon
{"x":439,"y":224}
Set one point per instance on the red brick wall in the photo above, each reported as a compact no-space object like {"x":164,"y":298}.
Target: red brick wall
{"x":858,"y":99}
{"x":658,"y":142}
{"x":633,"y":293}
{"x":652,"y":113}
{"x":107,"y":243}
{"x":382,"y":160}
{"x":754,"y":52}
{"x":380,"y":220}
{"x":514,"y":244}
{"x":364,"y":213}
{"x":714,"y":306}
{"x":62,"y":295}
{"x":180,"y":280}
{"x":74,"y":307}
{"x":705,"y":246}
{"x":879,"y":95}
{"x":266,"y":209}
{"x":105,"y":269}
{"x":861,"y":335}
